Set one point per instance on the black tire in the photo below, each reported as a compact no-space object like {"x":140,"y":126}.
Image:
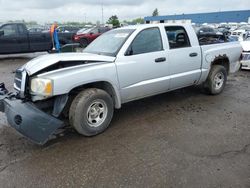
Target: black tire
{"x":82,"y":107}
{"x":84,"y":43}
{"x":240,"y":69}
{"x":216,"y":80}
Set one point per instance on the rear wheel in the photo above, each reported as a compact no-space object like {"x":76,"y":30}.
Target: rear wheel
{"x":91,"y":112}
{"x":216,"y":80}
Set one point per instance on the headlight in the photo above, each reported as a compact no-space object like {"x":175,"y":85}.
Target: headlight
{"x":41,"y":86}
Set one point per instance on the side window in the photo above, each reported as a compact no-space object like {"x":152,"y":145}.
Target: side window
{"x":177,"y":37}
{"x":21,"y":29}
{"x":149,"y":40}
{"x":95,"y":31}
{"x":103,"y":30}
{"x":9,"y":30}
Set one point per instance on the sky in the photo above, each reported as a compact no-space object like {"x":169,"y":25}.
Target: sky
{"x":44,"y":11}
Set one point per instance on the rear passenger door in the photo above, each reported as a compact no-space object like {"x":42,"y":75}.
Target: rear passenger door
{"x":23,"y":39}
{"x":40,"y":42}
{"x":184,"y":59}
{"x":94,"y":34}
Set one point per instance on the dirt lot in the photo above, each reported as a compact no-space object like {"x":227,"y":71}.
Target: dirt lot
{"x":179,"y":139}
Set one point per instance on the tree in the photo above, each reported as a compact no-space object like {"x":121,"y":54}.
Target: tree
{"x":155,"y":13}
{"x":138,"y":21}
{"x":114,"y":21}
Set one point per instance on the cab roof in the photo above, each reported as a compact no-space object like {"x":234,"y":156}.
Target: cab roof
{"x":144,"y":26}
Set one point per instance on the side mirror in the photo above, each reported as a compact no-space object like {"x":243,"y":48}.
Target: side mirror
{"x":91,"y":33}
{"x":1,"y":33}
{"x":129,"y":51}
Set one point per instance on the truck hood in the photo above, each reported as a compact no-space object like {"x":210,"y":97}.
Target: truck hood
{"x":44,"y":61}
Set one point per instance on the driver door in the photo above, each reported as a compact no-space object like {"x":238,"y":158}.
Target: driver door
{"x":9,"y":40}
{"x":144,"y":69}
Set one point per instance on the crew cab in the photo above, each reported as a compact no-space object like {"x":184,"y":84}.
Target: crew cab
{"x":122,"y":65}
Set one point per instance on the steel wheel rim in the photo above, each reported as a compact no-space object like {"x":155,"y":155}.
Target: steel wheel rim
{"x":219,"y":79}
{"x":97,"y":113}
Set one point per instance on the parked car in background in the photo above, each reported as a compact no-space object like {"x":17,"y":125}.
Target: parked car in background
{"x":244,"y":27}
{"x":245,"y":62}
{"x":232,"y":38}
{"x":67,"y":29}
{"x":241,"y":32}
{"x":209,"y":35}
{"x":206,"y":30}
{"x":15,"y":38}
{"x":81,"y":31}
{"x":36,"y":30}
{"x":88,"y":35}
{"x":224,"y":31}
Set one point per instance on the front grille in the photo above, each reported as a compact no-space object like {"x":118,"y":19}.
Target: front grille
{"x":246,"y":56}
{"x":18,"y":80}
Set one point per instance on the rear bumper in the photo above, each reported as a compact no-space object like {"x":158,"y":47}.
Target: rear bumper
{"x":28,"y":120}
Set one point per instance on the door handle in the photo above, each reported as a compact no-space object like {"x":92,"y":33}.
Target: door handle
{"x":161,"y":59}
{"x":193,"y":54}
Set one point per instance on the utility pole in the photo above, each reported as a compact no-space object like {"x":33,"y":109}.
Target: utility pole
{"x":102,"y":14}
{"x":85,"y":17}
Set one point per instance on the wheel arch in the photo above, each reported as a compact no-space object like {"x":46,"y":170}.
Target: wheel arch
{"x":104,"y":85}
{"x":222,"y":60}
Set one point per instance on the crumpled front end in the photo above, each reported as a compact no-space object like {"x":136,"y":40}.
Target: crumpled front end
{"x":24,"y":116}
{"x":28,"y":120}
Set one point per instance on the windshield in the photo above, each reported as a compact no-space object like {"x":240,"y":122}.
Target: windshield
{"x":81,"y":30}
{"x":244,"y":28}
{"x":86,"y":31}
{"x":109,"y":43}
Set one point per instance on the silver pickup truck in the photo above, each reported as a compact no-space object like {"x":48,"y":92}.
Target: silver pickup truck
{"x":122,"y":65}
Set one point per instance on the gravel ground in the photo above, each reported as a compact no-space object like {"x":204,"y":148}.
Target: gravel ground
{"x":179,"y":139}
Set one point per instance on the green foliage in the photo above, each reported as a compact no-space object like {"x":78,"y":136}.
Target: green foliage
{"x":138,"y":21}
{"x":114,"y":21}
{"x":155,"y":13}
{"x":134,"y":21}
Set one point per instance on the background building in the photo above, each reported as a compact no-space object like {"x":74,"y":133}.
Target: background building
{"x":199,"y":18}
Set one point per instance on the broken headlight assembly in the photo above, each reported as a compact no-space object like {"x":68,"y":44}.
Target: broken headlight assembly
{"x":41,"y":87}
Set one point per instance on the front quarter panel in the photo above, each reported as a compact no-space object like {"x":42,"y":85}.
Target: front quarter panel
{"x":66,"y":79}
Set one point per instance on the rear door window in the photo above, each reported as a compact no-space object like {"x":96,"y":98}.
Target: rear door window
{"x":94,"y":31}
{"x":177,"y":37}
{"x":103,"y":30}
{"x":21,"y":29}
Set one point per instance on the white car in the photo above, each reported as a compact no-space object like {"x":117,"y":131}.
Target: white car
{"x":245,"y":62}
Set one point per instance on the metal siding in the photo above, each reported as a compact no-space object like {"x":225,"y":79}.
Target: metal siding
{"x":213,"y":17}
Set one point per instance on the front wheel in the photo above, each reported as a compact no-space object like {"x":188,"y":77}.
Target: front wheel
{"x":216,"y":80}
{"x":91,"y":112}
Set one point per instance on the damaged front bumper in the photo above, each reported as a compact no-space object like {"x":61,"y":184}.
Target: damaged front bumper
{"x":28,"y":120}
